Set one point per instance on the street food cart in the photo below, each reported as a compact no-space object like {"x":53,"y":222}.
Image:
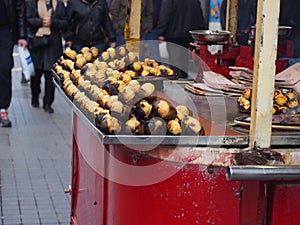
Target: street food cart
{"x":182,"y":180}
{"x":233,"y":175}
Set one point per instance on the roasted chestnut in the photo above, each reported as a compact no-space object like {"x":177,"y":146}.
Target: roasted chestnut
{"x":137,"y":66}
{"x":132,"y":57}
{"x":84,"y":49}
{"x":117,"y":109}
{"x":182,"y":111}
{"x":105,"y":56}
{"x":109,"y":124}
{"x":191,"y":126}
{"x":243,"y":104}
{"x":80,"y":62}
{"x":174,"y":127}
{"x":68,"y":64}
{"x":291,"y":94}
{"x":280,"y":99}
{"x":133,"y":126}
{"x":127,"y":94}
{"x":135,"y":85}
{"x":292,"y":103}
{"x":155,"y":126}
{"x":94,"y":51}
{"x":142,"y":110}
{"x":247,"y":94}
{"x":122,"y":52}
{"x":164,"y":110}
{"x":70,"y":54}
{"x":88,"y":57}
{"x":146,"y":90}
{"x":112,"y":53}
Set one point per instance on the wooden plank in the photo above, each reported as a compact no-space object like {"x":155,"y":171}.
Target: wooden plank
{"x":135,"y":19}
{"x":264,"y":73}
{"x":231,"y":19}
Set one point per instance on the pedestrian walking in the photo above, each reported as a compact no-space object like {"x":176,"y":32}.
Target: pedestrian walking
{"x":46,"y":19}
{"x":120,"y":12}
{"x":246,"y":15}
{"x":90,"y":25}
{"x":12,"y":31}
{"x":151,"y":38}
{"x":176,"y":19}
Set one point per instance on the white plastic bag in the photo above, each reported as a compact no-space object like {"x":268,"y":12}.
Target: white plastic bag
{"x":26,"y":63}
{"x":163,"y":50}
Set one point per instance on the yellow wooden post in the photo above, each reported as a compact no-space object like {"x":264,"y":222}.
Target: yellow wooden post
{"x":231,"y":19}
{"x":264,"y":73}
{"x":134,"y":26}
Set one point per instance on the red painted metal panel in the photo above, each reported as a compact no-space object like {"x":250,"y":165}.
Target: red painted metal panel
{"x":116,"y":185}
{"x":192,"y":194}
{"x":285,"y":204}
{"x":254,"y":203}
{"x":89,"y":202}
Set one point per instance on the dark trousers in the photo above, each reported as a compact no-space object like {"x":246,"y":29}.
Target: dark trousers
{"x":6,"y":64}
{"x":35,"y":84}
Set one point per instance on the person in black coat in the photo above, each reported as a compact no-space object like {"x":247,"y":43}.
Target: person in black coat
{"x":12,"y":31}
{"x":45,"y":19}
{"x":176,"y":19}
{"x":90,"y":25}
{"x":289,"y":16}
{"x":247,"y":10}
{"x":246,"y":15}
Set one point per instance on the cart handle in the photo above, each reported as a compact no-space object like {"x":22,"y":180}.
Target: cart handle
{"x":263,"y":173}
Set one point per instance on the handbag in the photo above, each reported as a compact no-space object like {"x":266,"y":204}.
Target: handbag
{"x":35,"y":42}
{"x":26,"y":63}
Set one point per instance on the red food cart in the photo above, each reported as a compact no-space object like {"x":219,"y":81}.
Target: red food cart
{"x":163,"y":180}
{"x":211,"y":179}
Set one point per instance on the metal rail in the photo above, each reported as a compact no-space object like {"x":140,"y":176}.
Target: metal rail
{"x":263,"y":173}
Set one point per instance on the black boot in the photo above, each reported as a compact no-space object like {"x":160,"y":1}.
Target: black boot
{"x":48,"y":108}
{"x":35,"y":102}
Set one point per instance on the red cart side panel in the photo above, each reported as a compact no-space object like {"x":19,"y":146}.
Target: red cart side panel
{"x":118,"y":186}
{"x":190,"y":196}
{"x":285,"y":207}
{"x":88,"y":190}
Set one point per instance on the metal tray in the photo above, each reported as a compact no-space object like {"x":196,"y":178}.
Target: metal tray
{"x":188,"y":141}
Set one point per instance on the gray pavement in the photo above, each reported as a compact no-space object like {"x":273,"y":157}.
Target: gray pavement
{"x":35,"y":160}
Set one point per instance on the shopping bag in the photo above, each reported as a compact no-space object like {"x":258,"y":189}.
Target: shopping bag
{"x":163,"y":50}
{"x":26,"y":63}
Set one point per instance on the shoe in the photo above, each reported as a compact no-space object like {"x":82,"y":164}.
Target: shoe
{"x":4,"y":121}
{"x":35,"y":103}
{"x":48,"y":109}
{"x":24,"y":80}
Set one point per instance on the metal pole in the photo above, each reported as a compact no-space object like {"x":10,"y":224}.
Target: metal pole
{"x":263,"y":173}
